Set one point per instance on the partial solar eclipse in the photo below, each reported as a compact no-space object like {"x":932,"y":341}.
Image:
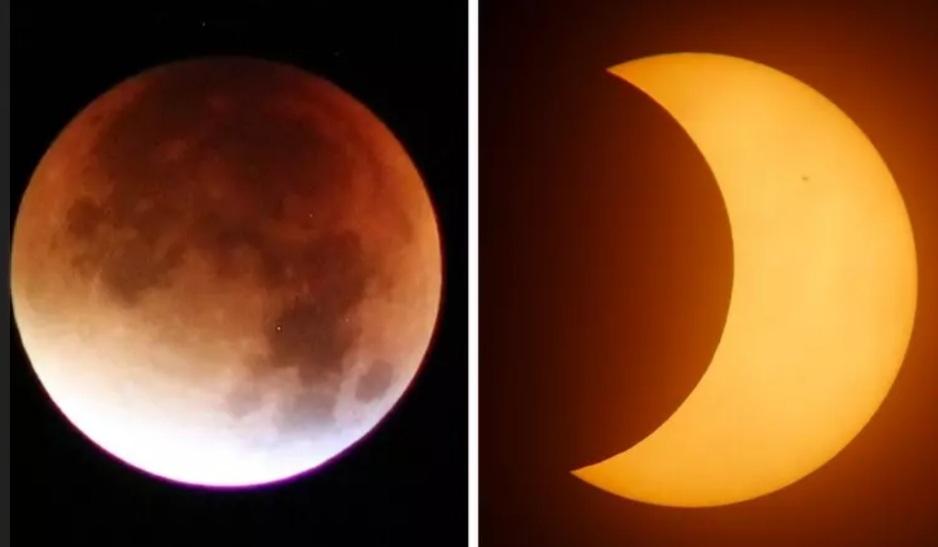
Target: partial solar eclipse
{"x":225,"y":271}
{"x":824,"y":287}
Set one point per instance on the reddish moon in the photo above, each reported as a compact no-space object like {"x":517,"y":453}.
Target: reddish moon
{"x":225,"y":271}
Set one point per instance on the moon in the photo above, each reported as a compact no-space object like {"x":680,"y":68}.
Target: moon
{"x":225,"y":271}
{"x":824,"y":287}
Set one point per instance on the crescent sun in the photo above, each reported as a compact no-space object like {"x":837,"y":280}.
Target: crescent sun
{"x":824,"y":287}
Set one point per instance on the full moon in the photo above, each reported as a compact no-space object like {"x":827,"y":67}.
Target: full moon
{"x":225,"y":271}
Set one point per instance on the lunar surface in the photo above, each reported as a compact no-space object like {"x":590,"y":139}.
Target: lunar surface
{"x":225,"y":271}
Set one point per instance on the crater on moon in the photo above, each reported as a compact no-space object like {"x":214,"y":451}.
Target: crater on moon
{"x":225,"y":271}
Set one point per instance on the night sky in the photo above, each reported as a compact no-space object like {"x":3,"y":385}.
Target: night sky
{"x":606,"y":266}
{"x":406,"y":482}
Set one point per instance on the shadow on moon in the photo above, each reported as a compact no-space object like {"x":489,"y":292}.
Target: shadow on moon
{"x":246,"y":202}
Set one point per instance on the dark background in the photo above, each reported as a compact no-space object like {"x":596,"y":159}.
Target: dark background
{"x":606,"y":265}
{"x":404,"y":484}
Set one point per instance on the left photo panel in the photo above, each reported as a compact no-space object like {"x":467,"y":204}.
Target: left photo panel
{"x":238,"y":274}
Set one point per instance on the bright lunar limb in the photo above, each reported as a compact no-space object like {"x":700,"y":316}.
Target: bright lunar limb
{"x":225,"y":271}
{"x":824,"y":287}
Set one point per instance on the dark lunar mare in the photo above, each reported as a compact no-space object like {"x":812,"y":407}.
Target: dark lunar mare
{"x":222,"y":116}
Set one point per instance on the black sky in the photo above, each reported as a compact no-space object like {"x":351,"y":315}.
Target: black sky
{"x":403,"y":485}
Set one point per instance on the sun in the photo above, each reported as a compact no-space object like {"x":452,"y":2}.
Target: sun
{"x":824,"y":287}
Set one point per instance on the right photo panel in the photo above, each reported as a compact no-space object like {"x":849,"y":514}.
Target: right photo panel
{"x":707,"y":264}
